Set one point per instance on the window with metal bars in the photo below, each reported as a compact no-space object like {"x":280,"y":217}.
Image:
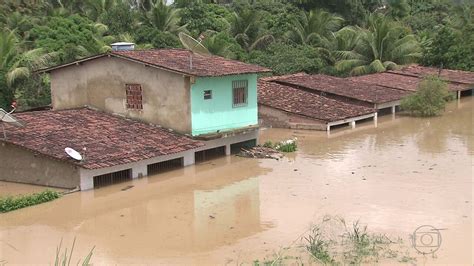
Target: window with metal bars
{"x":162,"y":167}
{"x":239,"y":92}
{"x":134,"y":96}
{"x":112,"y":178}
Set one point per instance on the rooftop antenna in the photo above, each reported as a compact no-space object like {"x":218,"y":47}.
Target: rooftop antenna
{"x":193,"y":45}
{"x":7,"y":117}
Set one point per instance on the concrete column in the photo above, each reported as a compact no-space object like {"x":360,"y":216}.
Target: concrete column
{"x":353,"y":124}
{"x":328,"y":128}
{"x":140,"y":170}
{"x":87,"y":179}
{"x":394,"y":108}
{"x":375,"y":119}
{"x":459,"y":94}
{"x":188,"y":158}
{"x":227,"y":149}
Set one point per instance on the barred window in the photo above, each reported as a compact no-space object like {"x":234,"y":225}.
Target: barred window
{"x":239,"y":92}
{"x":134,"y":96}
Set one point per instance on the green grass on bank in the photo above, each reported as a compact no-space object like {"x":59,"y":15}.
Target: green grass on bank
{"x":11,"y":203}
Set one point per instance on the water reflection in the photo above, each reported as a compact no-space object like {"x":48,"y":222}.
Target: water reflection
{"x":193,"y":209}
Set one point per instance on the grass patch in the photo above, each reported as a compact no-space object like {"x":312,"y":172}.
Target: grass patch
{"x":64,"y":257}
{"x":334,"y":242}
{"x":430,"y":98}
{"x":11,"y":203}
{"x":283,"y":146}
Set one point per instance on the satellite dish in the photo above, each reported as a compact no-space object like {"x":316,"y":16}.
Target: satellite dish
{"x":73,"y":154}
{"x":192,"y":44}
{"x":8,"y":118}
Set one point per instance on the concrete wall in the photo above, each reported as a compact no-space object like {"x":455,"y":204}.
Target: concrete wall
{"x":272,"y":117}
{"x":218,"y":113}
{"x":139,"y":169}
{"x":101,"y":83}
{"x":24,"y":166}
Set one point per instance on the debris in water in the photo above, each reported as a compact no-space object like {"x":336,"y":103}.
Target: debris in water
{"x":261,"y":152}
{"x":212,"y":217}
{"x":127,"y":188}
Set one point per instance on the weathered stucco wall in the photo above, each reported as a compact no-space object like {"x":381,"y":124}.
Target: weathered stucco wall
{"x":272,"y":117}
{"x":20,"y":165}
{"x":101,"y":83}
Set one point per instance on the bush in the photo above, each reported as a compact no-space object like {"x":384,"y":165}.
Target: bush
{"x":430,"y":98}
{"x":283,"y":146}
{"x":12,"y":203}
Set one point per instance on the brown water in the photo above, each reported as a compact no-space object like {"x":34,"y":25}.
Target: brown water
{"x":405,"y":173}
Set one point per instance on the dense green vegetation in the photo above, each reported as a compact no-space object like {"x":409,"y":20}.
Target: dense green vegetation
{"x":430,"y":98}
{"x":340,"y":37}
{"x":13,"y":203}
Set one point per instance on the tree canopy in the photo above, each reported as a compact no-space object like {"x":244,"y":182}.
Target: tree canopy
{"x":340,"y":37}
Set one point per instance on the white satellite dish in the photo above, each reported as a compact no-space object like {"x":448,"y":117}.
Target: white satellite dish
{"x":8,"y":118}
{"x":192,"y":44}
{"x":73,"y":154}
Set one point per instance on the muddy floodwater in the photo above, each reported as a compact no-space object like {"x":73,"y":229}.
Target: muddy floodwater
{"x":404,"y":173}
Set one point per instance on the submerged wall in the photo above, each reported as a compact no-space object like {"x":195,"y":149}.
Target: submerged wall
{"x":24,"y":166}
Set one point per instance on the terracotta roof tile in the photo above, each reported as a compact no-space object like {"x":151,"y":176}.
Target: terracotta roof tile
{"x":458,"y":76}
{"x":305,"y":103}
{"x":344,"y":87}
{"x":109,"y":140}
{"x":179,"y":60}
{"x":396,"y":81}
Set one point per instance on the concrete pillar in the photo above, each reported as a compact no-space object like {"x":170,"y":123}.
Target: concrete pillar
{"x":353,"y":124}
{"x":394,"y":108}
{"x":328,"y":128}
{"x":188,"y":158}
{"x":86,"y":179}
{"x":227,"y":149}
{"x":375,"y":119}
{"x":139,"y":170}
{"x":459,"y":94}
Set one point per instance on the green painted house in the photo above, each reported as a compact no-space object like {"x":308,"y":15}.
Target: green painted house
{"x":209,"y":98}
{"x":223,"y":103}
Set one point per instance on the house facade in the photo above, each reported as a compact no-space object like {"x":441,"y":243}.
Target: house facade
{"x":133,"y":114}
{"x":206,"y":97}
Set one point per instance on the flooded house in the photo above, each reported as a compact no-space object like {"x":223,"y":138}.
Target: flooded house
{"x":371,"y":95}
{"x":288,"y":107}
{"x":408,"y":79}
{"x":320,"y":102}
{"x":165,"y":108}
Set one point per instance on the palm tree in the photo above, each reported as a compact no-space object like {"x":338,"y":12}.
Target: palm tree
{"x":383,"y":46}
{"x":164,"y":18}
{"x":315,"y":27}
{"x":16,"y":64}
{"x":95,"y":8}
{"x":248,"y":31}
{"x":216,"y":44}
